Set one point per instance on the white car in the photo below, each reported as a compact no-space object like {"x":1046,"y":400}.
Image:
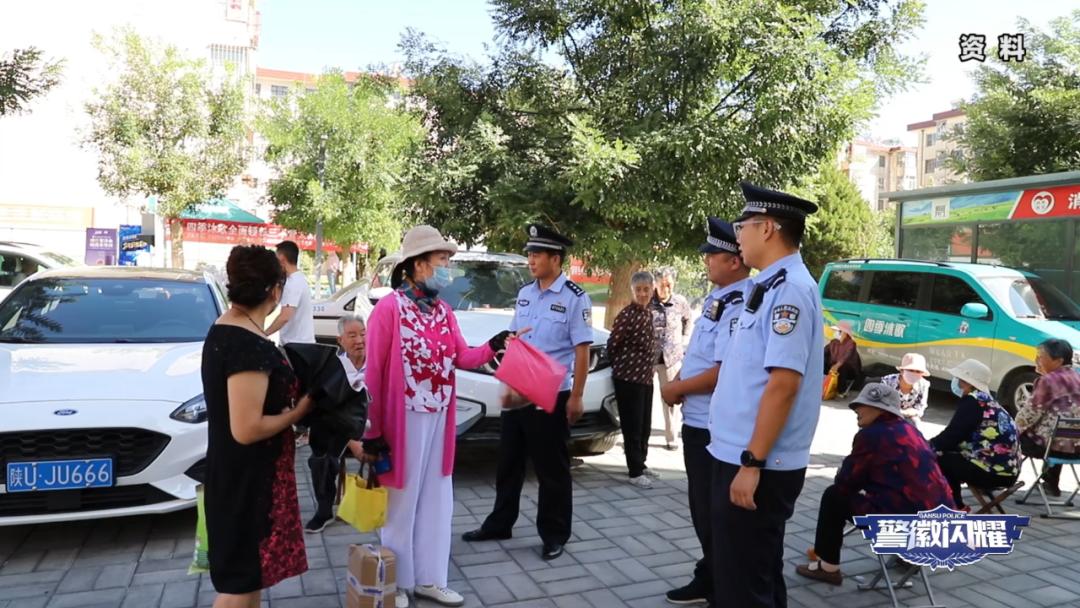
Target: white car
{"x":20,"y":260}
{"x":483,"y":295}
{"x":101,"y":406}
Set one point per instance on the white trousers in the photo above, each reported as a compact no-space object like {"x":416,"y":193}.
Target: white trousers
{"x":418,"y":516}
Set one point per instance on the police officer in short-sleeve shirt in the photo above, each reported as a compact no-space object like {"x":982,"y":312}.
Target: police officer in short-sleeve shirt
{"x":764,"y":410}
{"x":558,"y":314}
{"x":694,"y":387}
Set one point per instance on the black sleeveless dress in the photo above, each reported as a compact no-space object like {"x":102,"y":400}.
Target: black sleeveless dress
{"x":252,"y":513}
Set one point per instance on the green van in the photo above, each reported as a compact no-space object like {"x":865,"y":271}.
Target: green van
{"x":949,"y":312}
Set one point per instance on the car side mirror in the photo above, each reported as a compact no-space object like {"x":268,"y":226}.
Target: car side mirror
{"x":975,"y":310}
{"x":379,"y":293}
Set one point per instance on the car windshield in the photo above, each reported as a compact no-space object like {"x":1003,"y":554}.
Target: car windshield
{"x":486,"y":284}
{"x":1032,"y":298}
{"x":65,"y":310}
{"x":348,"y":290}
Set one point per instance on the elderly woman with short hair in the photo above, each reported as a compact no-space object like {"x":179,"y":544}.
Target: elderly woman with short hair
{"x":1056,"y":394}
{"x":632,"y":347}
{"x":672,"y":324}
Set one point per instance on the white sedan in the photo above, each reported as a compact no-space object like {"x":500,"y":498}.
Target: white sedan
{"x":483,"y":294}
{"x":101,"y":393}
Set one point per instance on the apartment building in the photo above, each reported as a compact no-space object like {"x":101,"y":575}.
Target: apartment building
{"x":936,"y":145}
{"x":878,"y":167}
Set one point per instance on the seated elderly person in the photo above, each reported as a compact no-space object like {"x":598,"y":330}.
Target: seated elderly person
{"x":979,"y":446}
{"x":911,"y":383}
{"x":891,"y":469}
{"x":842,"y":356}
{"x":1056,"y":394}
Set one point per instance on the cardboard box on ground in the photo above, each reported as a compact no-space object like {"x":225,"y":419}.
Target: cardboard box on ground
{"x":372,"y":577}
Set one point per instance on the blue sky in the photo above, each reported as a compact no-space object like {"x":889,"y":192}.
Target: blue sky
{"x":310,"y":35}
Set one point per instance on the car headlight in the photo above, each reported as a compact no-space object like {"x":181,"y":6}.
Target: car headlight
{"x":192,"y":411}
{"x":351,"y":305}
{"x":598,"y":358}
{"x":611,"y":406}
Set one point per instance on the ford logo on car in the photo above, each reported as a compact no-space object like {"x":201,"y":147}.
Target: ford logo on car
{"x":65,"y":412}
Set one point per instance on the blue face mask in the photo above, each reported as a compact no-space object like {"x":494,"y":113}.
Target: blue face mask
{"x":955,"y":386}
{"x":440,"y":280}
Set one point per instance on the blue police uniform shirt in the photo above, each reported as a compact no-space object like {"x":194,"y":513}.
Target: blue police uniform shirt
{"x":784,"y":331}
{"x":560,"y":317}
{"x":709,"y":337}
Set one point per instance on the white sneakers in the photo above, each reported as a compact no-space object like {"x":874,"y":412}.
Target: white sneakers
{"x":401,"y":600}
{"x":440,"y":595}
{"x":641,"y":481}
{"x":651,"y":473}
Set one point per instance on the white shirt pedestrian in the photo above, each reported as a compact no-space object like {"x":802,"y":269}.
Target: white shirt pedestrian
{"x":301,"y":327}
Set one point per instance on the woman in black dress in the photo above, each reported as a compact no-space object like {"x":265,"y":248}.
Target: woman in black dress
{"x":252,"y":401}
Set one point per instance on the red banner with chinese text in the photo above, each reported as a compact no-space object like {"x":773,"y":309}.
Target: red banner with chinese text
{"x":267,"y":235}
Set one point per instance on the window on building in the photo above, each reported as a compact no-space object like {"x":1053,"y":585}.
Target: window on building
{"x":844,"y":285}
{"x":277,"y":91}
{"x":222,"y":56}
{"x":258,"y":89}
{"x":881,"y":161}
{"x":949,"y":294}
{"x":930,"y":165}
{"x":881,"y":183}
{"x":930,"y":139}
{"x":900,"y":289}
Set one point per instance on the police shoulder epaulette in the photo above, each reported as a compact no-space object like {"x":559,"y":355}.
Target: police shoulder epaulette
{"x":575,"y":288}
{"x":776,"y":280}
{"x":734,"y":297}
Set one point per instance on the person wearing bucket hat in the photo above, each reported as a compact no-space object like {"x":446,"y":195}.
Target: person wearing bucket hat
{"x":842,"y":356}
{"x":891,"y":469}
{"x":558,"y":314}
{"x":765,"y":408}
{"x":980,"y":445}
{"x":910,"y":381}
{"x":694,"y":386}
{"x":414,"y":345}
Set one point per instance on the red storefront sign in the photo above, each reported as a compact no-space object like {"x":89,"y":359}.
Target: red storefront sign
{"x":1059,"y":201}
{"x":267,"y":235}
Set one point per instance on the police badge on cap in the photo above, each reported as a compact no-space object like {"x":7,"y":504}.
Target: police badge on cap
{"x":542,"y":238}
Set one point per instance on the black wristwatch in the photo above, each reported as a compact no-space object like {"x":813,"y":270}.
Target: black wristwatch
{"x":747,"y":459}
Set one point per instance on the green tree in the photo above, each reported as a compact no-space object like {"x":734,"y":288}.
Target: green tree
{"x":1024,"y":117}
{"x":844,"y":226}
{"x":624,"y":124}
{"x":363,"y":144}
{"x":163,"y":128}
{"x":24,"y":75}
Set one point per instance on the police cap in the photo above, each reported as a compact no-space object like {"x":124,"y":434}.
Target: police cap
{"x":543,"y":238}
{"x":763,"y":201}
{"x":720,"y":238}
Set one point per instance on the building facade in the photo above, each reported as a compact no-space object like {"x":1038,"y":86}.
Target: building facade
{"x":876,"y":168}
{"x":936,"y":145}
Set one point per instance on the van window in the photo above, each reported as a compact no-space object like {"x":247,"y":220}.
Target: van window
{"x":844,"y":285}
{"x":950,"y":294}
{"x":382,"y":275}
{"x":899,"y":289}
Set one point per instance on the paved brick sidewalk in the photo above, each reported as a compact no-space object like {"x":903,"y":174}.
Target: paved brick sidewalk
{"x":629,"y":547}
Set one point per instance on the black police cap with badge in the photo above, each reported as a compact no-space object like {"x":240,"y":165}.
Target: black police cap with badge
{"x":720,"y":238}
{"x":542,"y":238}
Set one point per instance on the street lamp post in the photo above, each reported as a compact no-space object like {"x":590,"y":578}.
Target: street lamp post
{"x":318,"y":220}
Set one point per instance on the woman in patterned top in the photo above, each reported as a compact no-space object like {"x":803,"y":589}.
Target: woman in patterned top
{"x":912,"y":385}
{"x":252,"y":402}
{"x":413,"y":347}
{"x":1057,"y":393}
{"x":632,"y":347}
{"x":891,"y":469}
{"x":979,"y":446}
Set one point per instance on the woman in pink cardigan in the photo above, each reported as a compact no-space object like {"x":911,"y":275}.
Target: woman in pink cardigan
{"x":413,"y":347}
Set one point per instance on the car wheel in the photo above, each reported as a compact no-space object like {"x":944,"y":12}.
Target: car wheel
{"x":1017,"y":391}
{"x":595,"y":446}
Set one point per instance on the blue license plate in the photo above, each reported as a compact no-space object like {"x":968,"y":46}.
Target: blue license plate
{"x":59,"y":475}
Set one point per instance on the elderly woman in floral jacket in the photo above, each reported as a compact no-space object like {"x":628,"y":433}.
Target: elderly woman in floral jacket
{"x":891,"y":469}
{"x":1057,"y":394}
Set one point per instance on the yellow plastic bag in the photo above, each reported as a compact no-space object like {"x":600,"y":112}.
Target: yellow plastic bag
{"x":364,"y":504}
{"x":830,"y":387}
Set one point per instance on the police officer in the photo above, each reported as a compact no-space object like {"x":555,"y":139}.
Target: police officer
{"x":558,"y":314}
{"x":694,"y":387}
{"x":764,"y":410}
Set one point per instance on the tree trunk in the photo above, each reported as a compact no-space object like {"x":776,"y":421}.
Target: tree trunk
{"x":619,"y":290}
{"x":176,"y":238}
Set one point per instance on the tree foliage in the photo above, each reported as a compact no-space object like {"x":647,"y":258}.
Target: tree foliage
{"x":844,"y":226}
{"x":1025,"y":115}
{"x":163,"y":128}
{"x":24,"y":75}
{"x":367,"y":141}
{"x":624,"y":124}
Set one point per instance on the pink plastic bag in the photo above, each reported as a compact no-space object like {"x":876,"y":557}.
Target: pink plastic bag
{"x":531,"y":372}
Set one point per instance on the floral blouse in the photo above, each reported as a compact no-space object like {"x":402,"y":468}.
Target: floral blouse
{"x":632,"y":345}
{"x":984,"y":433}
{"x":426,"y":344}
{"x":1056,"y":394}
{"x":913,"y":404}
{"x":672,"y":324}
